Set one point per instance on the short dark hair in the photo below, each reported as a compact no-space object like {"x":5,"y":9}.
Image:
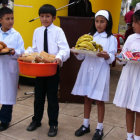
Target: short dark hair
{"x":47,"y":8}
{"x":5,"y":10}
{"x":108,"y":29}
{"x":131,"y":7}
{"x":4,"y":1}
{"x":136,"y":16}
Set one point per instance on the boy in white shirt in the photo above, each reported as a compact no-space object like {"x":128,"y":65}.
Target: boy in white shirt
{"x":51,"y":39}
{"x":9,"y":72}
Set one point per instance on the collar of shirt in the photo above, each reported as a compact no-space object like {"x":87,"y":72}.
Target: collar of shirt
{"x":4,"y":34}
{"x":8,"y":32}
{"x":137,"y":35}
{"x":49,"y":27}
{"x":103,"y":34}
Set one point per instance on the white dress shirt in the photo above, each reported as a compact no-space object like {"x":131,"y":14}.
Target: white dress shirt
{"x":57,"y":43}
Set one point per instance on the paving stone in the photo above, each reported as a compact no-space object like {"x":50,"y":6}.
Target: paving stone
{"x":114,"y":116}
{"x":73,"y":109}
{"x":70,"y":118}
{"x":116,"y":133}
{"x":67,"y":127}
{"x":3,"y":137}
{"x":21,"y":112}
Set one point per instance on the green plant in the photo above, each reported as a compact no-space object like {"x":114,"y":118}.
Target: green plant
{"x":134,"y":2}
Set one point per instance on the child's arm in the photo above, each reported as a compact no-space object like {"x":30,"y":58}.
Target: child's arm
{"x":12,"y":52}
{"x":103,"y":54}
{"x":64,"y":51}
{"x":19,"y":48}
{"x":58,"y":61}
{"x":34,"y":46}
{"x":126,"y":44}
{"x":109,"y":55}
{"x":79,"y":56}
{"x":112,"y":49}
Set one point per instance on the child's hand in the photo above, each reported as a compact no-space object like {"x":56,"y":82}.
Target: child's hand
{"x":74,"y":52}
{"x":12,"y":52}
{"x":118,"y":59}
{"x":103,"y":54}
{"x":57,"y":60}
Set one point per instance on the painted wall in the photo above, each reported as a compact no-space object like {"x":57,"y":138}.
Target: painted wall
{"x":114,"y":6}
{"x":25,"y":10}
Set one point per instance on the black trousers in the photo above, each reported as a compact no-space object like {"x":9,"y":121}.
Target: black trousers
{"x":46,"y":86}
{"x":6,"y":113}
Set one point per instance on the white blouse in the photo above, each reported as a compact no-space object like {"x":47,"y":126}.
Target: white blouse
{"x":132,"y":43}
{"x":94,"y":74}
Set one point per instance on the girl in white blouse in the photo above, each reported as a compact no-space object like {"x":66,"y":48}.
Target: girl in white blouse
{"x":94,"y":74}
{"x":128,"y":89}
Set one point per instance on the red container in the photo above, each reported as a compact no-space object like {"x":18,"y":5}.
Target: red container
{"x":136,"y":54}
{"x":37,"y":69}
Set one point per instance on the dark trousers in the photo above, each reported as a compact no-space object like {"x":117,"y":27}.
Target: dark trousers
{"x":46,"y":86}
{"x":6,"y":113}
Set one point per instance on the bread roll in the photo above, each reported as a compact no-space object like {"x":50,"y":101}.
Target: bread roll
{"x":30,"y":59}
{"x":25,"y":54}
{"x":35,"y":54}
{"x":21,"y":58}
{"x":52,"y":55}
{"x":44,"y":54}
{"x":5,"y":50}
{"x":3,"y":44}
{"x":51,"y":59}
{"x":35,"y":57}
{"x":1,"y":47}
{"x":47,"y":58}
{"x":38,"y":59}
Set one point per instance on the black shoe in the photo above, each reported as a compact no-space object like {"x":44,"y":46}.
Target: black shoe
{"x":82,"y":130}
{"x":33,"y":126}
{"x":52,"y":131}
{"x":4,"y":126}
{"x":98,"y":135}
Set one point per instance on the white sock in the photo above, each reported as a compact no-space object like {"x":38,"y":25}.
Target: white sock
{"x":86,"y":122}
{"x":136,"y":137}
{"x":129,"y":136}
{"x":100,"y":126}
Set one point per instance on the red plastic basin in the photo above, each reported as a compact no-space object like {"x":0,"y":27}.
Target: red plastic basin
{"x":37,"y":69}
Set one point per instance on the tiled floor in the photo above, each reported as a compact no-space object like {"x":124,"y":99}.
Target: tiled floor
{"x":70,"y":118}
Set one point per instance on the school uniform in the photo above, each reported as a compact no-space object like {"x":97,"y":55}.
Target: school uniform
{"x":57,"y":45}
{"x":128,"y":89}
{"x":9,"y":72}
{"x":94,"y":74}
